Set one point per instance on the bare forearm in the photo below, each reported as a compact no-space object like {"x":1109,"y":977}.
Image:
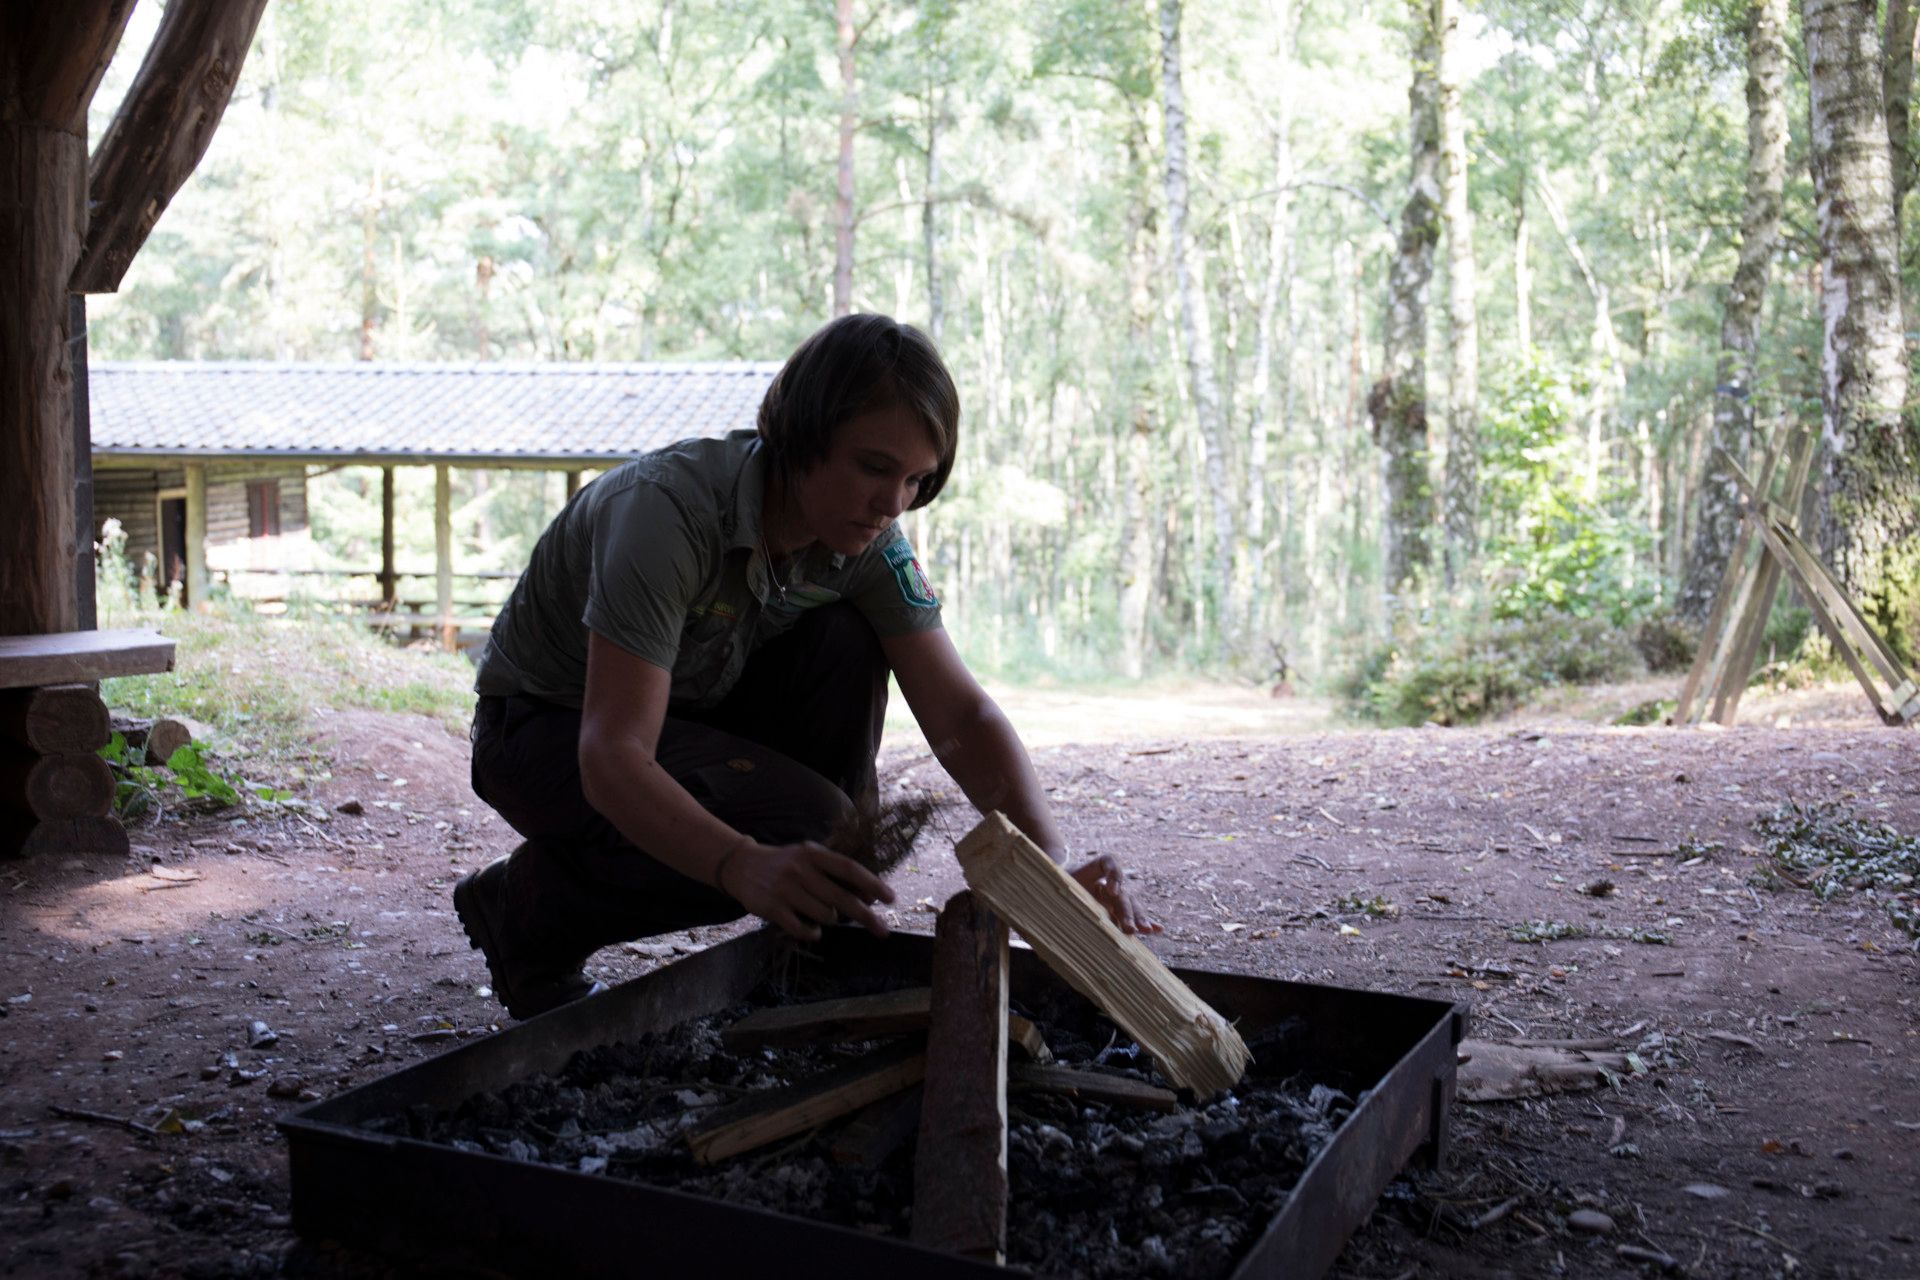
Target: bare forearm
{"x":984,"y":755}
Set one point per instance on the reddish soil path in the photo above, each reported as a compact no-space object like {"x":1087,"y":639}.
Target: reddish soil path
{"x":1779,"y":1033}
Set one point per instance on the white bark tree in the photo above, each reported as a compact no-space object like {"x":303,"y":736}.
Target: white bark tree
{"x":1733,"y":405}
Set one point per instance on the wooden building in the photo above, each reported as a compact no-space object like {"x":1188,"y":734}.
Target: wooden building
{"x":205,"y":466}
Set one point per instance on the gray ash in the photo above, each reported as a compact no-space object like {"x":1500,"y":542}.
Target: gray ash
{"x":1097,"y":1190}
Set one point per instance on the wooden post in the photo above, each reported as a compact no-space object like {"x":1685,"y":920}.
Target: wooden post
{"x":573,"y":483}
{"x":960,"y":1166}
{"x":443,"y":550}
{"x":196,"y":535}
{"x":85,"y":610}
{"x":389,"y":580}
{"x":51,"y":61}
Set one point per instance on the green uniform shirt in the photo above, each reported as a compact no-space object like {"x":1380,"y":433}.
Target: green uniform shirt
{"x":662,"y":556}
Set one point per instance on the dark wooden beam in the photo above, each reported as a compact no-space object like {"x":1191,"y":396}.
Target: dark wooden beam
{"x":51,"y":59}
{"x":161,"y":130}
{"x":960,"y":1165}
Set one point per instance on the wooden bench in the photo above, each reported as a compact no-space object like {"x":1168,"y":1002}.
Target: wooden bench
{"x":71,"y":657}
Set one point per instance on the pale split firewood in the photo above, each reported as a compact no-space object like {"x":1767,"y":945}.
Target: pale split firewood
{"x":1090,"y":1086}
{"x":869,"y":1017}
{"x":960,"y":1165}
{"x":1193,"y":1046}
{"x":55,"y":718}
{"x":773,"y":1114}
{"x":1024,"y":1036}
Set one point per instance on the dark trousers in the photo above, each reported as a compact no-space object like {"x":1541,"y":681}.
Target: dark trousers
{"x":782,"y":759}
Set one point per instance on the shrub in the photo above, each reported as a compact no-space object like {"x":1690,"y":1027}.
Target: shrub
{"x":1665,"y":642}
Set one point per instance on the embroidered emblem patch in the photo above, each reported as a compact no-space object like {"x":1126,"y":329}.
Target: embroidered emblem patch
{"x":914,"y":587}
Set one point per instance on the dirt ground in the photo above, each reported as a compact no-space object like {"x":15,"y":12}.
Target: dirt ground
{"x":156,"y":1018}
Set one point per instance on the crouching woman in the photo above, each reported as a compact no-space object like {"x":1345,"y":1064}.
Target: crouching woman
{"x":683,"y":697}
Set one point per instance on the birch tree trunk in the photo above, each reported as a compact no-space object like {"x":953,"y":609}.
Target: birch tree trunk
{"x":1733,"y":407}
{"x":1250,"y":584}
{"x":1897,"y":88}
{"x":1872,"y":491}
{"x":1463,"y":379}
{"x":1397,"y":402}
{"x":1136,"y":533}
{"x":930,"y":213}
{"x":849,"y":125}
{"x":1195,"y":330}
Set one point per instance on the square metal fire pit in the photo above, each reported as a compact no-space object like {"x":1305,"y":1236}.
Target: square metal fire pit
{"x":425,"y":1200}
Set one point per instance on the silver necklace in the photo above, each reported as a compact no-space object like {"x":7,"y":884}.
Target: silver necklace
{"x":766,"y":557}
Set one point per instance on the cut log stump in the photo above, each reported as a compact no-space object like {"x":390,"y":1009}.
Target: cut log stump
{"x":55,"y":718}
{"x":960,"y":1165}
{"x":1192,"y":1045}
{"x":66,"y":785}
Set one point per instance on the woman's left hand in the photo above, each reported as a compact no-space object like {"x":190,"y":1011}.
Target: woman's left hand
{"x":1103,"y":878}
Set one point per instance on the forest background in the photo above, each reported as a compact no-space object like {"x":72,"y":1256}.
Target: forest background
{"x":1382,"y":344}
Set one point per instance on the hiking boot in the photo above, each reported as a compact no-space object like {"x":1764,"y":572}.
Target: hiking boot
{"x":526,"y":985}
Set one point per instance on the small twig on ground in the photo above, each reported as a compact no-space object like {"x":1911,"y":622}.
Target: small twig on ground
{"x":1315,"y":859}
{"x":1330,"y":818}
{"x":101,"y":1117}
{"x":1496,"y":1213}
{"x":1768,"y":1236}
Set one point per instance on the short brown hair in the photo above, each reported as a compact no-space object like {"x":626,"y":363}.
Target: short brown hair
{"x":851,"y":366}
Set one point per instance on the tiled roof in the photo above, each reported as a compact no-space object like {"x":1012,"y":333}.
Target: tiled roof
{"x":454,"y":412}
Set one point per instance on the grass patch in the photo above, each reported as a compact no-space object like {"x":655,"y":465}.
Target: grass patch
{"x":257,"y":681}
{"x":1829,"y":848}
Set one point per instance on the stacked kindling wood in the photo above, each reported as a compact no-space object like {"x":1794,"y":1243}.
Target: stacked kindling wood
{"x":945,"y":1081}
{"x":56,"y":792}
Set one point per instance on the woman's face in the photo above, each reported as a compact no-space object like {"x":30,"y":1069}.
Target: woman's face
{"x":872,"y":472}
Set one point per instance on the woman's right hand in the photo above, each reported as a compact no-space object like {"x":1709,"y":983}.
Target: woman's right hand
{"x":800,"y":887}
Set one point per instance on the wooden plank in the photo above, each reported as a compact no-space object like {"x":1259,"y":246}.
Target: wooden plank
{"x":1193,"y":1046}
{"x":73,"y":784}
{"x":20,"y":838}
{"x":1090,"y":1086}
{"x":960,"y":1164}
{"x":1736,"y":582}
{"x":1753,"y":629}
{"x":874,"y":1134}
{"x":773,"y":1114}
{"x":1024,"y":1036}
{"x":73,"y":657}
{"x":849,"y":1018}
{"x":55,"y":718}
{"x":1825,"y":617}
{"x":870,"y":1017}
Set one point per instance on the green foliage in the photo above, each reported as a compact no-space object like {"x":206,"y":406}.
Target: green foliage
{"x":1652,"y":711}
{"x":1557,"y":541}
{"x":141,"y":789}
{"x":1465,"y":673}
{"x":1665,"y":641}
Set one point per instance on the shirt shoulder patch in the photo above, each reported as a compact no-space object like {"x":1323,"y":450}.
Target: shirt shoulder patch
{"x":912,"y":579}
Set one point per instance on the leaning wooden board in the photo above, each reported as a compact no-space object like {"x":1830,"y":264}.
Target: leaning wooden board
{"x":1193,"y":1045}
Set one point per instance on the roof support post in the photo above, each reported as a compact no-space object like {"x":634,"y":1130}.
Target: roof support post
{"x":85,"y":608}
{"x":196,"y":535}
{"x":573,"y":483}
{"x":389,"y":580}
{"x":51,"y":60}
{"x":443,"y":549}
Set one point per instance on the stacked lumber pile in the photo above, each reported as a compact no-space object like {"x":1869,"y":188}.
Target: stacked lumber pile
{"x":56,"y":792}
